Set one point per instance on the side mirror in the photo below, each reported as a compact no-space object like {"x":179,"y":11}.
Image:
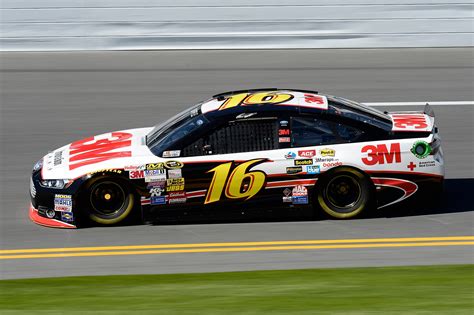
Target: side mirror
{"x":207,"y":149}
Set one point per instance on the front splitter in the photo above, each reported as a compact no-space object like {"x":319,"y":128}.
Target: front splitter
{"x":36,"y":218}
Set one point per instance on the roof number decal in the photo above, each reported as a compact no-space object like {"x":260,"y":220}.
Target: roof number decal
{"x":284,"y":98}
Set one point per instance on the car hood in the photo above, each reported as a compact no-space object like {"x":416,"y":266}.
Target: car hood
{"x":110,"y":150}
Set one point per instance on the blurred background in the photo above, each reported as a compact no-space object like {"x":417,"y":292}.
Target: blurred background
{"x":50,"y":25}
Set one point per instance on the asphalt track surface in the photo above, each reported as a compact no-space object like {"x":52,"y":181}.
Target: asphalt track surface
{"x":50,"y":99}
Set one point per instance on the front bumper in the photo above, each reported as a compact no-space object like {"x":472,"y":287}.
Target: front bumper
{"x":36,"y":218}
{"x":43,"y":200}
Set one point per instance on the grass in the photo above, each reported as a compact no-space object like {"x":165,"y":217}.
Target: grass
{"x":388,"y":290}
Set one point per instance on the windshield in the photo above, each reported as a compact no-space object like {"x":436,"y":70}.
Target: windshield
{"x":170,"y":133}
{"x":168,"y":125}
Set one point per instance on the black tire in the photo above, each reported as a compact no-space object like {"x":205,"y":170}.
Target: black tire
{"x":344,"y":193}
{"x":109,"y":201}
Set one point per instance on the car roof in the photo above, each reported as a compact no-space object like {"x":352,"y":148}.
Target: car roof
{"x":309,"y":100}
{"x":262,"y":100}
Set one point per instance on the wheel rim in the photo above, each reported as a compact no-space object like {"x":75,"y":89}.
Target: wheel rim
{"x":343,"y":192}
{"x":107,"y":198}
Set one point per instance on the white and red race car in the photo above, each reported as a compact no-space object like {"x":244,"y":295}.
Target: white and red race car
{"x":240,"y":152}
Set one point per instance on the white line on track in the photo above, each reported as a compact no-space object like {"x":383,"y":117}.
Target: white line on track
{"x":457,"y":103}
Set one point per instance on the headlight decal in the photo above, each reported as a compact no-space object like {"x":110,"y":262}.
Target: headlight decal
{"x":54,"y":183}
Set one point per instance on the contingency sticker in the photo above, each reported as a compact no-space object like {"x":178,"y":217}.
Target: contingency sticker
{"x":175,"y":173}
{"x":67,"y":216}
{"x":177,"y":197}
{"x":63,"y":203}
{"x":175,"y":184}
{"x":155,"y":175}
{"x":300,"y":195}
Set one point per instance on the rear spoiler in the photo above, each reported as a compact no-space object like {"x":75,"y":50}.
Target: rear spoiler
{"x":428,"y":110}
{"x":413,"y":121}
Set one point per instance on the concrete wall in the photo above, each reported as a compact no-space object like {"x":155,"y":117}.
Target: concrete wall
{"x":210,"y":24}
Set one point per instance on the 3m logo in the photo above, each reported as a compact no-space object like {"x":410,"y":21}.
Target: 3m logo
{"x":311,"y":98}
{"x":137,"y":174}
{"x":409,"y":121}
{"x":379,"y":154}
{"x":92,"y":150}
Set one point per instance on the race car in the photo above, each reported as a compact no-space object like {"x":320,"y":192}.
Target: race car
{"x":243,"y":151}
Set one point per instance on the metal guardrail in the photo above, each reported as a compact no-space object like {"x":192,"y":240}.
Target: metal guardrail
{"x":31,"y":25}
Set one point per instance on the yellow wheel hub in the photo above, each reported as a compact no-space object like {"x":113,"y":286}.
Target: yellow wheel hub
{"x":107,"y":196}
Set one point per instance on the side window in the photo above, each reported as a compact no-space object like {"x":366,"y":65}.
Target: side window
{"x":237,"y":136}
{"x":310,"y":131}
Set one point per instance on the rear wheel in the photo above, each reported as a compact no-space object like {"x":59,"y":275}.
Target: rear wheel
{"x":110,"y":201}
{"x":344,"y":193}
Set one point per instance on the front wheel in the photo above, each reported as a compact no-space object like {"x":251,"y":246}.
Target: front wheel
{"x":109,"y":201}
{"x":344,"y":193}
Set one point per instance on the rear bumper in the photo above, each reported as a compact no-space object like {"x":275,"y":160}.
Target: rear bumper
{"x":36,"y":218}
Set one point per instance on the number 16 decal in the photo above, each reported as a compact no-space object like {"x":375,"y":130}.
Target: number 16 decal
{"x":240,"y":183}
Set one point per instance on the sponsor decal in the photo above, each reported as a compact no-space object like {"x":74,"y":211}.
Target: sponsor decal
{"x":129,"y":168}
{"x":155,"y":166}
{"x":98,"y":149}
{"x":327,"y":152}
{"x":307,"y":153}
{"x":283,"y":123}
{"x":173,"y":164}
{"x":284,"y":139}
{"x":62,"y":203}
{"x":332,"y":164}
{"x":287,"y":195}
{"x":58,"y":158}
{"x":299,"y":190}
{"x":290,"y":155}
{"x":421,"y":149}
{"x":294,"y":169}
{"x":284,"y":132}
{"x":426,"y":163}
{"x":169,"y":154}
{"x":154,"y":175}
{"x":156,"y":191}
{"x":380,"y":154}
{"x":320,"y":160}
{"x":314,"y":99}
{"x":411,"y":166}
{"x":241,"y":183}
{"x":304,"y":162}
{"x":176,"y":173}
{"x":409,"y":121}
{"x":158,"y":200}
{"x":161,"y":183}
{"x":136,"y":174}
{"x":175,"y":184}
{"x":177,"y":197}
{"x":106,"y":170}
{"x":313,"y":169}
{"x":300,"y":195}
{"x":67,"y":216}
{"x":245,"y":115}
{"x":301,"y":200}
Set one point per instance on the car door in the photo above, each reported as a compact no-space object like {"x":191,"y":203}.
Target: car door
{"x":228,"y":166}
